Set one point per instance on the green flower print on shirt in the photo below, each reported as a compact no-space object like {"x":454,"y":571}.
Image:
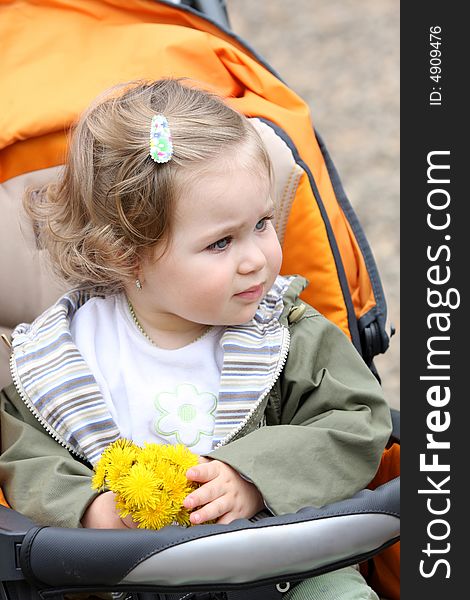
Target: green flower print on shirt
{"x":185,"y":414}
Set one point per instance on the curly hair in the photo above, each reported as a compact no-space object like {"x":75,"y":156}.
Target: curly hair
{"x":112,"y":203}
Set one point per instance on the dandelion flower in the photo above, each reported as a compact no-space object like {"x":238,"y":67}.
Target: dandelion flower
{"x":149,"y":483}
{"x":157,"y":517}
{"x":115,"y":461}
{"x":99,"y":478}
{"x":182,"y":517}
{"x":139,"y":487}
{"x":181,"y":457}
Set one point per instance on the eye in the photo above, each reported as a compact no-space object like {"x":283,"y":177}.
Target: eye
{"x":221,"y":244}
{"x":262,"y":224}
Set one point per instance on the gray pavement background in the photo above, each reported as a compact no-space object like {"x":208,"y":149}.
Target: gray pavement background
{"x":342,"y":58}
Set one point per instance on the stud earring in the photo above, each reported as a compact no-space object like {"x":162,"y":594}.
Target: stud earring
{"x":138,"y":284}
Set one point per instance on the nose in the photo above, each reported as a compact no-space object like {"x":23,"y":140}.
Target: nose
{"x":252,"y":259}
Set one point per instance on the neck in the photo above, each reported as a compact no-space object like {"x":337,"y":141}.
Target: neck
{"x":167,"y":333}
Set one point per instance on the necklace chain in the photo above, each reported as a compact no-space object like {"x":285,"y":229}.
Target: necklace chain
{"x":137,"y":322}
{"x":146,"y":335}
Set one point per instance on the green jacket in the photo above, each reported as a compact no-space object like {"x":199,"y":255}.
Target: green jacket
{"x":327,"y":424}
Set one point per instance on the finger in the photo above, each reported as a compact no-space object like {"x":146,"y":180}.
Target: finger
{"x":203,"y":459}
{"x":209,"y":512}
{"x":203,"y":472}
{"x":203,"y":495}
{"x":226,"y":519}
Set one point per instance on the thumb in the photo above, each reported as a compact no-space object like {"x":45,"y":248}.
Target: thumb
{"x":129,"y":522}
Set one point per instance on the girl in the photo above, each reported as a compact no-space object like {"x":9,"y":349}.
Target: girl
{"x":179,"y":329}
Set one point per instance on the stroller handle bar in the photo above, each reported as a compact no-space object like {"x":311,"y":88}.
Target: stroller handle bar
{"x":309,"y":542}
{"x":214,"y":10}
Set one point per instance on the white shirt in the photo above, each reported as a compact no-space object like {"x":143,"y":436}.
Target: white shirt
{"x":153,"y":394}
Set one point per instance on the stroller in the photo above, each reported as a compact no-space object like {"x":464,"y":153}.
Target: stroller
{"x":120,"y":40}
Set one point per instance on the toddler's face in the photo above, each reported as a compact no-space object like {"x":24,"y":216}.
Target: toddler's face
{"x":223,"y":255}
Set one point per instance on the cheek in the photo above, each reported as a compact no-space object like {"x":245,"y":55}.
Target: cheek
{"x":217,"y":283}
{"x":208,"y":280}
{"x":274,"y":253}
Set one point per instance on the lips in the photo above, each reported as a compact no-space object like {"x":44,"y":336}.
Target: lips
{"x":252,"y":293}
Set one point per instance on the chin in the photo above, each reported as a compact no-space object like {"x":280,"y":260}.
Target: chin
{"x":245,"y":318}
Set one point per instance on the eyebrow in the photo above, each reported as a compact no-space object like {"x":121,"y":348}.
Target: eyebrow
{"x":229,"y":228}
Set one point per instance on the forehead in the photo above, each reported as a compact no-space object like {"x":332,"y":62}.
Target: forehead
{"x":224,"y":191}
{"x":223,"y":173}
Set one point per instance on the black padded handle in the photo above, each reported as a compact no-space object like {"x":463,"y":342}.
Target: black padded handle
{"x":60,"y":557}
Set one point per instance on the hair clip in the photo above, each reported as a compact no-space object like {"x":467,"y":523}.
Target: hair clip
{"x":161,"y":146}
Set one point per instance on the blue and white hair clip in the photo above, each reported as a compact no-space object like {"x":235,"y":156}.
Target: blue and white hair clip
{"x":161,"y":146}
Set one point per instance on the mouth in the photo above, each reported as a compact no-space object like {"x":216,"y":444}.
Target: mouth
{"x":252,"y":293}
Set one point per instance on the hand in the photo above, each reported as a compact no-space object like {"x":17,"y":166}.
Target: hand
{"x":102,"y":514}
{"x":223,"y":496}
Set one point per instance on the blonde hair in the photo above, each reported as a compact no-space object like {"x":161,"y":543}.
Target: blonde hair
{"x":113,"y":203}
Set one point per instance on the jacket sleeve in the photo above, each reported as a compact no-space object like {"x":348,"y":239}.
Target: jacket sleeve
{"x":329,"y":424}
{"x":39,"y":477}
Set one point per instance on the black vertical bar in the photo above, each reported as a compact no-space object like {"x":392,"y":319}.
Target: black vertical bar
{"x":435,"y":260}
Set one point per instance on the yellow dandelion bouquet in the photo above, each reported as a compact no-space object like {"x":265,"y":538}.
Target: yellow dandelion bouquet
{"x":149,"y":482}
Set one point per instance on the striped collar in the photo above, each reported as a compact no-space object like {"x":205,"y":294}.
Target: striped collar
{"x":254,"y":354}
{"x":55,"y":383}
{"x":59,"y":389}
